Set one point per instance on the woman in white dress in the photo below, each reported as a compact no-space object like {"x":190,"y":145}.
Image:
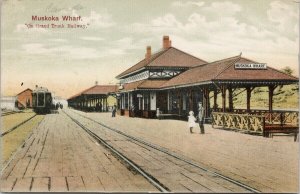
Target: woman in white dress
{"x":191,"y":121}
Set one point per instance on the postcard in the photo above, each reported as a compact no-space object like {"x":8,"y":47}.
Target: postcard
{"x":150,"y":96}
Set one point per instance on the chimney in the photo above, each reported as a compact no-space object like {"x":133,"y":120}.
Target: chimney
{"x":148,"y":52}
{"x":166,"y":42}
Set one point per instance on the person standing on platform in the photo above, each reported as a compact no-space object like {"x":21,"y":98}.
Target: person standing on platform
{"x":201,"y":117}
{"x":113,"y":113}
{"x":97,"y":107}
{"x":191,"y":121}
{"x":132,"y":111}
{"x":100,"y":107}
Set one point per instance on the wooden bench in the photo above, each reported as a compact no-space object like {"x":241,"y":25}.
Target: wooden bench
{"x":270,"y":130}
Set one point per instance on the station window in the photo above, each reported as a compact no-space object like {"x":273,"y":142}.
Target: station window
{"x":184,"y":101}
{"x":126,"y":101}
{"x":146,"y":101}
{"x":174,"y":102}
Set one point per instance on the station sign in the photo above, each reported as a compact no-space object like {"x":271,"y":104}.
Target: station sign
{"x":250,"y":66}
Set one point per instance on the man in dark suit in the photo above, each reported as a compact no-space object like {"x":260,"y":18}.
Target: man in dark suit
{"x":201,"y":117}
{"x":114,"y":110}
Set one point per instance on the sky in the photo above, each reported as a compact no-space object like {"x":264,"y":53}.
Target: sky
{"x":69,"y":60}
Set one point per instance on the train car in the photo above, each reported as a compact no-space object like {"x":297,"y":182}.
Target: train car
{"x":42,"y":100}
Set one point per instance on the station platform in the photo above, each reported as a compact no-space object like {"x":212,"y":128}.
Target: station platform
{"x":268,"y":164}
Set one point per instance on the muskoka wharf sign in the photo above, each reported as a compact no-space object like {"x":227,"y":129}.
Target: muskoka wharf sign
{"x":250,"y":66}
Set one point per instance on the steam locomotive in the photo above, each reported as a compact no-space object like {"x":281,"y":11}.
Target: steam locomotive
{"x":42,"y":101}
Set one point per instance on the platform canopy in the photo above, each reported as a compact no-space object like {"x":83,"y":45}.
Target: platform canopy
{"x":93,"y":98}
{"x":101,"y":90}
{"x":225,"y":72}
{"x":229,"y":74}
{"x":143,"y":85}
{"x":219,"y":72}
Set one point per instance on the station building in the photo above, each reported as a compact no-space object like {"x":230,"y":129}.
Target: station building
{"x":172,"y":82}
{"x":141,"y":84}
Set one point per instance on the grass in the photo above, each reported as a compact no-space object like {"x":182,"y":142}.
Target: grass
{"x":12,"y":141}
{"x":111,"y":101}
{"x":12,"y":120}
{"x":285,"y":97}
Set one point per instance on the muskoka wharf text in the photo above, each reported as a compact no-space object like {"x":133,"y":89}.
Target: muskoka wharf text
{"x":55,"y":18}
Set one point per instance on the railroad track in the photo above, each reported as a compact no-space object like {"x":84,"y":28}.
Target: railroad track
{"x":8,"y":113}
{"x":148,"y":176}
{"x":18,"y":125}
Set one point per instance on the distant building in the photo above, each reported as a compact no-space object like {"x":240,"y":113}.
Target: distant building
{"x":24,"y":99}
{"x":8,"y":102}
{"x":99,"y":98}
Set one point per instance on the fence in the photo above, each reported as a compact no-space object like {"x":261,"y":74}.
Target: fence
{"x":260,"y":121}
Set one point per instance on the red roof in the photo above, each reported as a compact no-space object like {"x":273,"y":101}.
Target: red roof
{"x":152,"y":84}
{"x":270,"y":73}
{"x":170,"y":57}
{"x":143,"y":84}
{"x":132,"y":85}
{"x":24,"y":91}
{"x":98,"y":89}
{"x":224,"y":70}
